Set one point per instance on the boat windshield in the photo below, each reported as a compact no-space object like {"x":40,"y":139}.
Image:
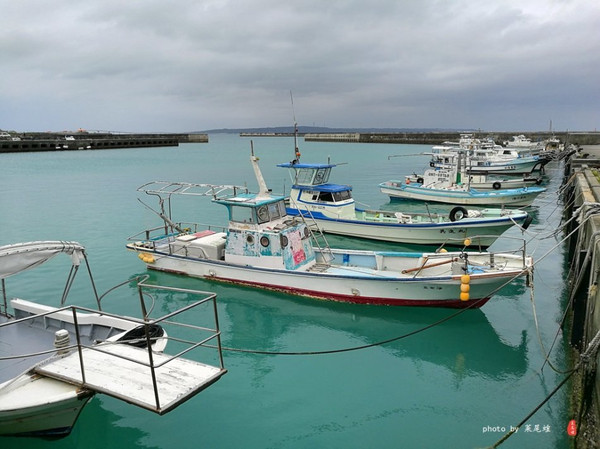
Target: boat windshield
{"x":261,"y":214}
{"x":312,"y":176}
{"x":331,"y":197}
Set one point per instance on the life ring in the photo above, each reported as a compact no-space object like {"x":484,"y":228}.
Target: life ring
{"x":458,"y":213}
{"x":496,"y":185}
{"x":420,"y":180}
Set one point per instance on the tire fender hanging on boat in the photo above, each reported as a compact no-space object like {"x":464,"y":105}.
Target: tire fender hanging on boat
{"x":496,"y":185}
{"x":527,"y":221}
{"x":457,"y":213}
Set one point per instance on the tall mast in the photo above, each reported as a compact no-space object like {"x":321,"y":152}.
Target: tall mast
{"x":296,"y":150}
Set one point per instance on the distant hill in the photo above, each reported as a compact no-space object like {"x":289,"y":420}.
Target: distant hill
{"x":320,"y":129}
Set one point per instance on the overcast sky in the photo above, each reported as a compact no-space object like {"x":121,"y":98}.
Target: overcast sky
{"x":177,"y":66}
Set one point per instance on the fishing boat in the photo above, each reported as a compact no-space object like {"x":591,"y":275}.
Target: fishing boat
{"x":484,"y":157}
{"x":264,"y":247}
{"x":53,"y":360}
{"x":334,"y":210}
{"x":489,"y":182}
{"x":450,"y":184}
{"x":460,"y":194}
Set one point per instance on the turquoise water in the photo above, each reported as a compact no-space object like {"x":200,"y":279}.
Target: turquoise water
{"x":456,"y":384}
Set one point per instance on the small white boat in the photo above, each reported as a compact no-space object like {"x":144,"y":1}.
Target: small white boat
{"x":450,"y":184}
{"x":265,"y":247}
{"x":333,"y":208}
{"x":461,"y":194}
{"x":54,"y":359}
{"x":487,"y":182}
{"x":477,"y":156}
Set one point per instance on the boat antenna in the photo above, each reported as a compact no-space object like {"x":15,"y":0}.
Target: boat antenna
{"x":296,"y":150}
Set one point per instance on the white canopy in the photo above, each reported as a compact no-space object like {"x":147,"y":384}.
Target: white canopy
{"x":23,"y":256}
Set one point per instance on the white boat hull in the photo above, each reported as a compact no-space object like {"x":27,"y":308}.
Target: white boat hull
{"x":40,"y":406}
{"x":510,"y":168}
{"x":484,"y":233}
{"x":513,"y":197}
{"x":347,"y":283}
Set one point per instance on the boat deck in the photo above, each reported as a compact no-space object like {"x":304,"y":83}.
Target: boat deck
{"x":124,"y":372}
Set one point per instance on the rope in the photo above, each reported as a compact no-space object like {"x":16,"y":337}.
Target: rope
{"x":584,"y":358}
{"x":474,"y":304}
{"x":354,"y":348}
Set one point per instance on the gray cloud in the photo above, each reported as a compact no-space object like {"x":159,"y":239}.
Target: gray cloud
{"x":193,"y":65}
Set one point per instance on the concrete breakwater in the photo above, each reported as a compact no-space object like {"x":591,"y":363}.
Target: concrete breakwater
{"x":25,"y":142}
{"x":434,"y":138}
{"x":581,"y":196}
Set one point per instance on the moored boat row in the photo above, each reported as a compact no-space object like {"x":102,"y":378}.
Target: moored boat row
{"x":266,"y":246}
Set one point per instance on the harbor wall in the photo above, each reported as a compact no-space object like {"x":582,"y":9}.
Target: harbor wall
{"x":27,"y":142}
{"x":581,"y":196}
{"x":435,"y":138}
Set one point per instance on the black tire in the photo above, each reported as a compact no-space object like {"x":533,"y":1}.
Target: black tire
{"x":538,"y":181}
{"x":137,"y":336}
{"x":496,"y":185}
{"x":420,"y":180}
{"x":457,"y":213}
{"x":432,"y":164}
{"x":527,"y":221}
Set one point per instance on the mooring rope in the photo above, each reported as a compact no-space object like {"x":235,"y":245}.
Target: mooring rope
{"x":584,"y":358}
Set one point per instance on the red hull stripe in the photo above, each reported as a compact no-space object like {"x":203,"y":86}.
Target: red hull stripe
{"x":446,"y":303}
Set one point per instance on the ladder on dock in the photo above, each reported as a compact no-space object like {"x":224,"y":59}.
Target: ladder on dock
{"x":156,"y":382}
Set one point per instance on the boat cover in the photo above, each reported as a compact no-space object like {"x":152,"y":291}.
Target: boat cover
{"x":24,"y":256}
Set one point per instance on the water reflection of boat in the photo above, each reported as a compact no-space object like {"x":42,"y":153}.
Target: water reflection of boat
{"x":270,"y":321}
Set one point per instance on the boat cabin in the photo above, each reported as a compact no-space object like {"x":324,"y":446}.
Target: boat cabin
{"x":248,"y":209}
{"x":260,"y":233}
{"x":312,"y":191}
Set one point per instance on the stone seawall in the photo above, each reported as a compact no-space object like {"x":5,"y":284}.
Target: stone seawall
{"x":582,"y":198}
{"x":28,"y":142}
{"x":434,"y":138}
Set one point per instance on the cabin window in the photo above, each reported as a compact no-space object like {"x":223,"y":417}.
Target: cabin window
{"x":326,"y":197}
{"x":241,"y":214}
{"x":343,"y":195}
{"x":282,"y":209}
{"x":322,"y":175}
{"x":304,"y":176}
{"x":274,"y":212}
{"x":263,"y":213}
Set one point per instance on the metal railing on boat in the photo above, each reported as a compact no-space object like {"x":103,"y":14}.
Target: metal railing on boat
{"x":152,"y":380}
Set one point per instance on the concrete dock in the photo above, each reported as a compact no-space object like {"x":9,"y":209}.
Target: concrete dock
{"x":581,"y":197}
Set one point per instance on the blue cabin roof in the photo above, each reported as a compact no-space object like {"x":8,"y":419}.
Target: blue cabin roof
{"x":325,"y":187}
